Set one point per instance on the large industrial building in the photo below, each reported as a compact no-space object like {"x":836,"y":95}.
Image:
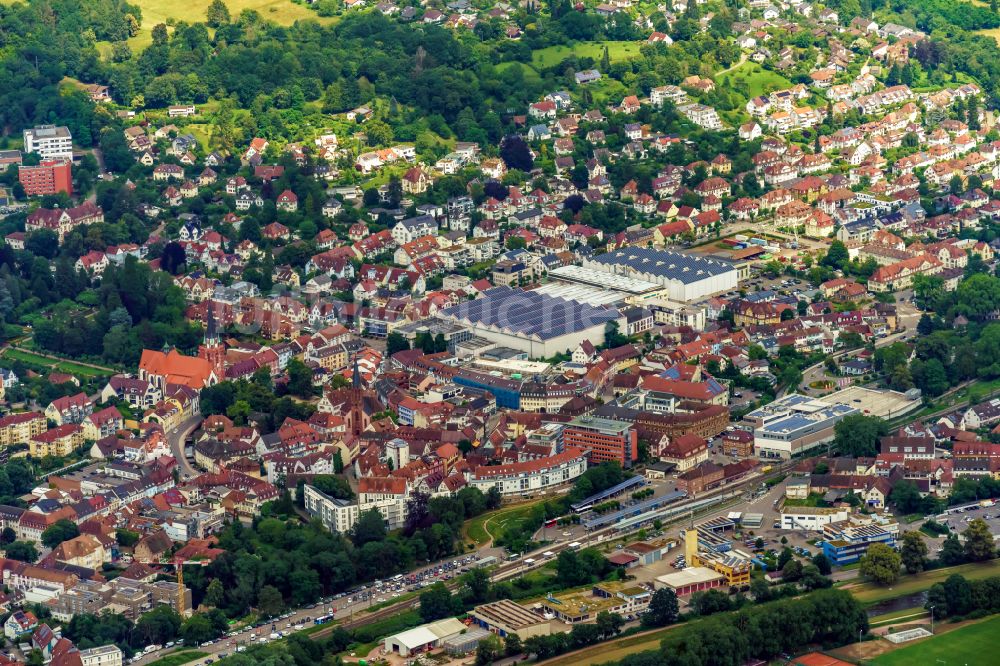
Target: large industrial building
{"x":536,"y":323}
{"x":686,"y":277}
{"x":793,"y":424}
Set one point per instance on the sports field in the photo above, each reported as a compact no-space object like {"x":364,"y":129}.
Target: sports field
{"x":971,"y":645}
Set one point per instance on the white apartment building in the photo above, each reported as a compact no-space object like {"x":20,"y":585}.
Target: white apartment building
{"x":50,"y":142}
{"x":105,"y":655}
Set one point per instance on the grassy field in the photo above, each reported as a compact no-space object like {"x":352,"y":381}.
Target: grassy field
{"x":61,"y":366}
{"x":491,"y":525}
{"x":553,"y":55}
{"x":868,"y":593}
{"x":178,"y":658}
{"x":759,"y":79}
{"x":992,"y":32}
{"x":283,"y":12}
{"x":613,"y":650}
{"x":970,"y":645}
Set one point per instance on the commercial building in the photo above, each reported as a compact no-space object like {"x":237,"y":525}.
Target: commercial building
{"x":690,"y":580}
{"x":504,"y":617}
{"x":538,"y":324}
{"x":579,"y":607}
{"x":811,"y":517}
{"x":533,"y":475}
{"x":48,"y":177}
{"x":424,"y":638}
{"x":793,"y":424}
{"x":847,"y":541}
{"x":50,"y":142}
{"x":685,"y":277}
{"x":603,"y":439}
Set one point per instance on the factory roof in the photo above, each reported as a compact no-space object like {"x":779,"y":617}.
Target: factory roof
{"x":529,"y":313}
{"x":665,"y":263}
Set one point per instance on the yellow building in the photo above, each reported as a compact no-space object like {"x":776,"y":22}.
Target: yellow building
{"x":59,"y":441}
{"x":19,"y":428}
{"x":735,"y":569}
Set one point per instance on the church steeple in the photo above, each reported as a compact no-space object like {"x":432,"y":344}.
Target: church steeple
{"x":356,"y":378}
{"x":212,"y":349}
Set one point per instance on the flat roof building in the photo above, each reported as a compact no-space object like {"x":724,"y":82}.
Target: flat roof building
{"x":50,"y":142}
{"x":603,"y":439}
{"x":536,"y":323}
{"x":690,"y":580}
{"x":504,"y":617}
{"x":686,"y":277}
{"x":794,"y":424}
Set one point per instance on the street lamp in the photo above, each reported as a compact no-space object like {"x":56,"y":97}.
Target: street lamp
{"x":931,"y":609}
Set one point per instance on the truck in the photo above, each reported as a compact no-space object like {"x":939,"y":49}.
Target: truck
{"x":575,"y":545}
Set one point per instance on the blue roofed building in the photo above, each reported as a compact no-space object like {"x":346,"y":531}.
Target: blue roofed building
{"x":538,"y":324}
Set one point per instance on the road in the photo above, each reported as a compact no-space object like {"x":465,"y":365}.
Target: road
{"x":907,"y":318}
{"x":176,"y":438}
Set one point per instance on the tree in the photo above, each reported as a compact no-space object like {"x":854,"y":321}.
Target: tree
{"x":269,"y":601}
{"x":837,"y":255}
{"x":792,"y":571}
{"x":395,"y":343}
{"x":217,"y":14}
{"x":952,"y":552}
{"x":913,"y":552}
{"x":857,"y":435}
{"x":488,"y":650}
{"x":23,"y":551}
{"x":369,"y":527}
{"x":512,"y":645}
{"x":215,"y":593}
{"x":609,"y":624}
{"x":299,"y":379}
{"x":59,"y":531}
{"x":436,"y":603}
{"x":881,"y":564}
{"x":516,"y":153}
{"x":173,"y":258}
{"x":979,"y":544}
{"x":196,"y":630}
{"x":160,"y":625}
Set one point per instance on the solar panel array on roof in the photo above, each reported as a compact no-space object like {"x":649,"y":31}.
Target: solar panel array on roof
{"x":530,"y":314}
{"x":664,"y":263}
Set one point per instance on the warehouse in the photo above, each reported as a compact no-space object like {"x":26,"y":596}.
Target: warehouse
{"x":424,"y":638}
{"x":691,"y":580}
{"x":504,"y":617}
{"x":536,"y":323}
{"x":686,"y":277}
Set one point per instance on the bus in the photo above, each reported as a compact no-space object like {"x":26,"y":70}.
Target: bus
{"x":323,"y":619}
{"x":551,"y":523}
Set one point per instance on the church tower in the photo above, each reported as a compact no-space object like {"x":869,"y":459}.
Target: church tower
{"x":212,"y":349}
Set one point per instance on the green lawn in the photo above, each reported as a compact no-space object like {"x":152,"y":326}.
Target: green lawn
{"x":179,"y":658}
{"x":759,"y":79}
{"x":869,"y":593}
{"x":68,"y":367}
{"x":553,"y":55}
{"x":492,"y":524}
{"x":970,"y":645}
